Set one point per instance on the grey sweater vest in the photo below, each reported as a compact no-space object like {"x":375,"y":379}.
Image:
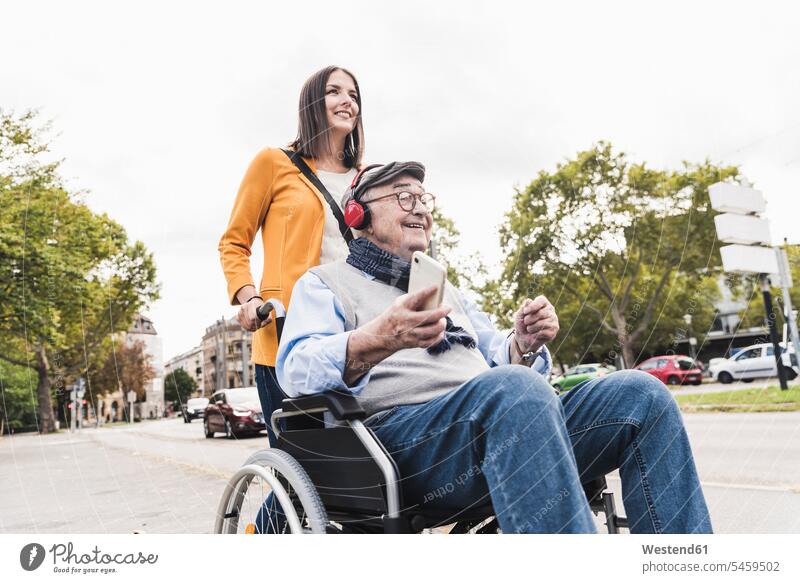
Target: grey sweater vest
{"x":411,"y":375}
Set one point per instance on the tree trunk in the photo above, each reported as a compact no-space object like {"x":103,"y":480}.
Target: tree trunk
{"x":624,"y":342}
{"x":561,"y":365}
{"x":628,"y":354}
{"x":46,"y":420}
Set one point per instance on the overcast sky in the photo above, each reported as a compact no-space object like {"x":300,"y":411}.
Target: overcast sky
{"x":160,"y":107}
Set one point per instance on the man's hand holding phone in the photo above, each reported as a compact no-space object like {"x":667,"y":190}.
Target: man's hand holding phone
{"x":404,"y":324}
{"x":407,"y":324}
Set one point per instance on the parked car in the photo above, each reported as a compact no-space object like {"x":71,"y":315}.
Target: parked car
{"x":194,"y":409}
{"x":711,"y":364}
{"x":578,"y":374}
{"x":753,"y":362}
{"x":673,"y":369}
{"x":234,"y":412}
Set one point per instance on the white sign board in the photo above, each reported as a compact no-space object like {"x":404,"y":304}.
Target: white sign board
{"x":131,"y":397}
{"x":744,"y":229}
{"x":734,"y":198}
{"x":785,"y":279}
{"x":748,"y":259}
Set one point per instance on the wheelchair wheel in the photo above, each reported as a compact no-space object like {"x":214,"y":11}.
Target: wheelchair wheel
{"x":294,"y":507}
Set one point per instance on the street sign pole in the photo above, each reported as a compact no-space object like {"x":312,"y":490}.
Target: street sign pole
{"x":788,"y":312}
{"x":74,"y":402}
{"x":742,"y":224}
{"x":80,"y":392}
{"x":131,"y":399}
{"x":691,"y":339}
{"x":773,"y":332}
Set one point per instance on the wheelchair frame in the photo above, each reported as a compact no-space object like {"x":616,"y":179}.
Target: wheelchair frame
{"x":363,"y":494}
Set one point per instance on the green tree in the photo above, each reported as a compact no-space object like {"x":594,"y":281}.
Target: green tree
{"x":179,"y":386}
{"x":622,"y":251}
{"x":17,"y":397}
{"x":462,"y":272}
{"x":69,"y":278}
{"x":127,"y":367}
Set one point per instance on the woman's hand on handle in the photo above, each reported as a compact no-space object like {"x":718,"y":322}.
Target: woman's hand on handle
{"x":250,"y":301}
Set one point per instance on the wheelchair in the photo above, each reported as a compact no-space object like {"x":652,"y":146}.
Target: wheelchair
{"x":338,"y":478}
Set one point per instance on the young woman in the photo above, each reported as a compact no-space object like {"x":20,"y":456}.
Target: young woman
{"x":298,"y":227}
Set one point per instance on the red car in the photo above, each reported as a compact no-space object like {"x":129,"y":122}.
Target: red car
{"x":673,"y":369}
{"x":234,"y":412}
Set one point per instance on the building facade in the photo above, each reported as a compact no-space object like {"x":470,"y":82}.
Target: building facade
{"x":726,"y":333}
{"x":190,"y":361}
{"x":143,"y":331}
{"x":226,"y":357}
{"x":113,"y":406}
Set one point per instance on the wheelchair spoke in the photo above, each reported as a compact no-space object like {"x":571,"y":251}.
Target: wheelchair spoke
{"x":272,"y":515}
{"x":264,"y":492}
{"x":289,"y":492}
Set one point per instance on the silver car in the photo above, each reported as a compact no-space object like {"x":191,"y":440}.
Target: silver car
{"x":194,"y":409}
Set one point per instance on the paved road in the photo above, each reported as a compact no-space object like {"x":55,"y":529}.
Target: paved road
{"x":749,"y":465}
{"x":165,"y":477}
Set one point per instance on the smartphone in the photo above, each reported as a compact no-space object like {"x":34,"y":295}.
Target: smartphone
{"x":425,"y":272}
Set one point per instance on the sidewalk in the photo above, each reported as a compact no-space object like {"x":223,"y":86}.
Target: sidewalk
{"x":52,"y":487}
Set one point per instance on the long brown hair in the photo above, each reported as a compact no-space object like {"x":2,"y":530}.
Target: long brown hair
{"x":312,"y":126}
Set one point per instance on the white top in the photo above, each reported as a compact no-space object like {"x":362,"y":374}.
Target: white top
{"x":334,"y":247}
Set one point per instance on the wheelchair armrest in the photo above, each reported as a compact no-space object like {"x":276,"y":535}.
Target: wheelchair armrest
{"x":342,"y":406}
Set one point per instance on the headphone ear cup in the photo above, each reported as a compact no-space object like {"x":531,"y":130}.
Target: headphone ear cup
{"x":367,"y":220}
{"x":354,"y":214}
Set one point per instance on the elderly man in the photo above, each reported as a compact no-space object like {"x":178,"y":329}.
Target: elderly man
{"x":464,"y":409}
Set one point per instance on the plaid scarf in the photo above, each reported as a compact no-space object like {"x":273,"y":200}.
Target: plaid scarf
{"x":395,"y":271}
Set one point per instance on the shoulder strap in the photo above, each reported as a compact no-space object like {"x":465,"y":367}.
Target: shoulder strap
{"x":337,"y":212}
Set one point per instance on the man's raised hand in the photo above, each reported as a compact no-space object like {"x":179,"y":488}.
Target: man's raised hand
{"x":535,"y":324}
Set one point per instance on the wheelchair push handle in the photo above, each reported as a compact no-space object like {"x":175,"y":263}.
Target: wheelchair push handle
{"x":273,"y":305}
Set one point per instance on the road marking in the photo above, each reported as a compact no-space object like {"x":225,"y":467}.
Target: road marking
{"x":792,"y":489}
{"x":795,"y":489}
{"x":74,"y":442}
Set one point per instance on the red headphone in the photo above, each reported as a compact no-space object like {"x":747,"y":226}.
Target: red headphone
{"x":356,"y":213}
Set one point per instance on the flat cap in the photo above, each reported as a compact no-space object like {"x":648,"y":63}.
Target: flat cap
{"x":387,"y":173}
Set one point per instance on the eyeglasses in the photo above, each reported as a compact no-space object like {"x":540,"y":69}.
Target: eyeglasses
{"x":408,"y":200}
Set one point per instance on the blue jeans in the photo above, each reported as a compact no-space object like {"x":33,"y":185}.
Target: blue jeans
{"x":269,"y":394}
{"x":504,"y":437}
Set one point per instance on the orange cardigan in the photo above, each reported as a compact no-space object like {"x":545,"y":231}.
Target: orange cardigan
{"x":275,"y":197}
